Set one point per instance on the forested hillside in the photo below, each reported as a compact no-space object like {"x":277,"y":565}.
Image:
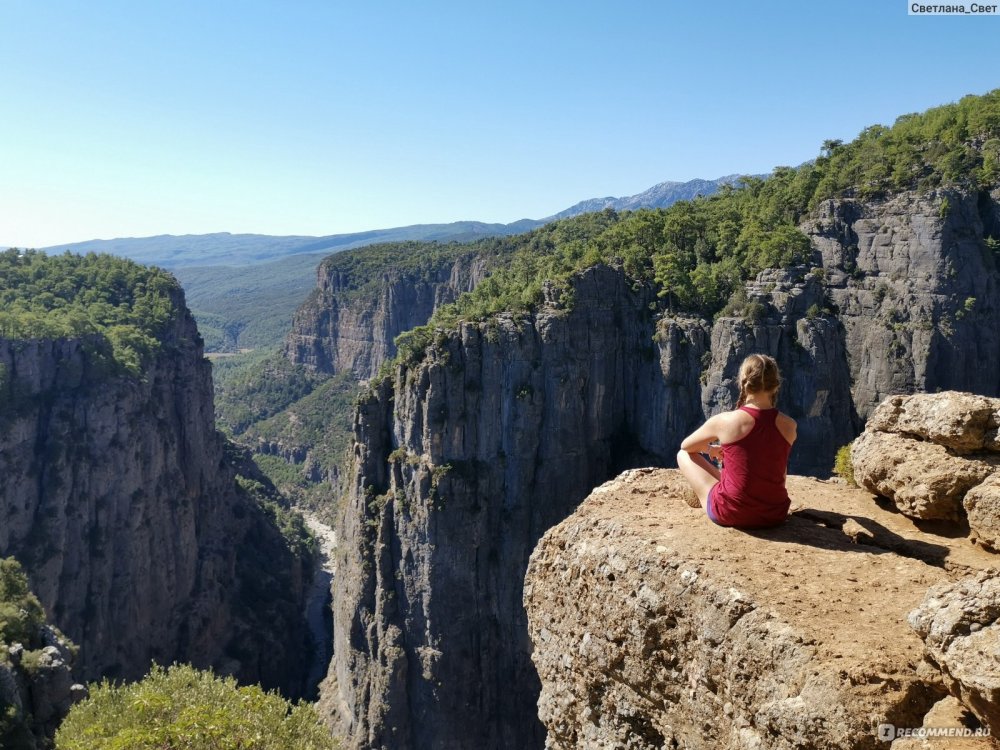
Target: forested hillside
{"x":247,"y":307}
{"x":120,"y":306}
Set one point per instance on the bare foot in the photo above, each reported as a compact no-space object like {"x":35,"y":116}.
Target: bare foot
{"x":691,"y":498}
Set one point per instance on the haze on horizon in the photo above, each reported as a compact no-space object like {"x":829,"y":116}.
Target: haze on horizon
{"x":315,"y":118}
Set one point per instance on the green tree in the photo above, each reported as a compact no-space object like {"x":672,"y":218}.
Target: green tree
{"x":181,"y":708}
{"x":21,"y":614}
{"x":127,"y":307}
{"x":830,"y":146}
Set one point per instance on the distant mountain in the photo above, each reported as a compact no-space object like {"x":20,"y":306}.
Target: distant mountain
{"x":225,"y":249}
{"x":659,"y":196}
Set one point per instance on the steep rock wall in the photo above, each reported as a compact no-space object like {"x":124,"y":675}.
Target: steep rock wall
{"x":904,"y":297}
{"x":916,"y":290}
{"x":337,"y":331}
{"x":495,"y":436}
{"x":119,"y":503}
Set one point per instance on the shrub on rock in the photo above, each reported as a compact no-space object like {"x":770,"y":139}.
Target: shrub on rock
{"x":182,"y":707}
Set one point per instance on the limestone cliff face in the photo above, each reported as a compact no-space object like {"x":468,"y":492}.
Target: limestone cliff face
{"x":337,"y":331}
{"x":916,"y":290}
{"x":905,"y":297}
{"x":810,"y":349}
{"x":495,"y":436}
{"x":118,"y":501}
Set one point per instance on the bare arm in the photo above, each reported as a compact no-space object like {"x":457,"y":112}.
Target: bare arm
{"x":787,"y":427}
{"x":700,"y":440}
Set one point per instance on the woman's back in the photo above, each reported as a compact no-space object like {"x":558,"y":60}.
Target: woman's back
{"x":752,"y":490}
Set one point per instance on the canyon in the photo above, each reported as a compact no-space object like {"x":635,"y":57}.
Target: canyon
{"x":149,"y":538}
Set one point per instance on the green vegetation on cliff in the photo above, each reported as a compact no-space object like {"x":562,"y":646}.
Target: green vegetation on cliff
{"x":358,"y":273}
{"x":252,"y":387}
{"x":315,"y":430}
{"x":115,"y":301}
{"x":954,"y":143}
{"x":24,"y":635}
{"x":181,"y":707}
{"x":302,"y":417}
{"x":698,"y":253}
{"x":21,"y":614}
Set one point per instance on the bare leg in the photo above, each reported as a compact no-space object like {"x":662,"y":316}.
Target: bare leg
{"x":701,"y":475}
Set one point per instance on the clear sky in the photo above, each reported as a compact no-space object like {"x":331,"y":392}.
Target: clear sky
{"x":314,"y":117}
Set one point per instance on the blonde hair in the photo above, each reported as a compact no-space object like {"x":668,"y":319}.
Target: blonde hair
{"x":758,"y":373}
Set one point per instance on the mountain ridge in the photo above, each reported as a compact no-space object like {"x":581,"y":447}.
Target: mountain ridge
{"x":661,"y":195}
{"x":178,"y":251}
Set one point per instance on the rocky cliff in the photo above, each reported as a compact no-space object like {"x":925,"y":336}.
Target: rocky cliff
{"x":465,"y":458}
{"x":337,"y":330}
{"x":119,"y":502}
{"x":509,"y":425}
{"x":653,"y":628}
{"x":914,"y":284}
{"x":904,"y":296}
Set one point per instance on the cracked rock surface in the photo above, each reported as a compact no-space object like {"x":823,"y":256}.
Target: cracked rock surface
{"x":654,"y":628}
{"x":960,"y":624}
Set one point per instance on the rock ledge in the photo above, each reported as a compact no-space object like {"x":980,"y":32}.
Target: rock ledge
{"x":653,"y":628}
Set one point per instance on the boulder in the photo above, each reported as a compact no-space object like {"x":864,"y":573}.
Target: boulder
{"x":959,"y":622}
{"x":652,"y":627}
{"x":982,"y":506}
{"x":52,"y":686}
{"x":923,"y":479}
{"x":961,"y":422}
{"x":36,"y":689}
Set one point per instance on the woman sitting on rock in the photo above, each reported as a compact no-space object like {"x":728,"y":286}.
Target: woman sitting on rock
{"x":755,"y":438}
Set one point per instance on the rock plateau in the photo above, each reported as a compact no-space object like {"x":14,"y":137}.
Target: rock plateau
{"x":654,"y":628}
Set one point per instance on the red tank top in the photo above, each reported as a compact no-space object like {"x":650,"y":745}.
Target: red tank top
{"x":752,"y":490}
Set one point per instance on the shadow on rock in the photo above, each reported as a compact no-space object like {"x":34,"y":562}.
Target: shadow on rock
{"x":835,"y":531}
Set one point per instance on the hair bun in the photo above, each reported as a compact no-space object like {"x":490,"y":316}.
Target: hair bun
{"x":758,"y":373}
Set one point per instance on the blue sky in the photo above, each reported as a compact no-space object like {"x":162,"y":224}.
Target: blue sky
{"x":320,"y":117}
